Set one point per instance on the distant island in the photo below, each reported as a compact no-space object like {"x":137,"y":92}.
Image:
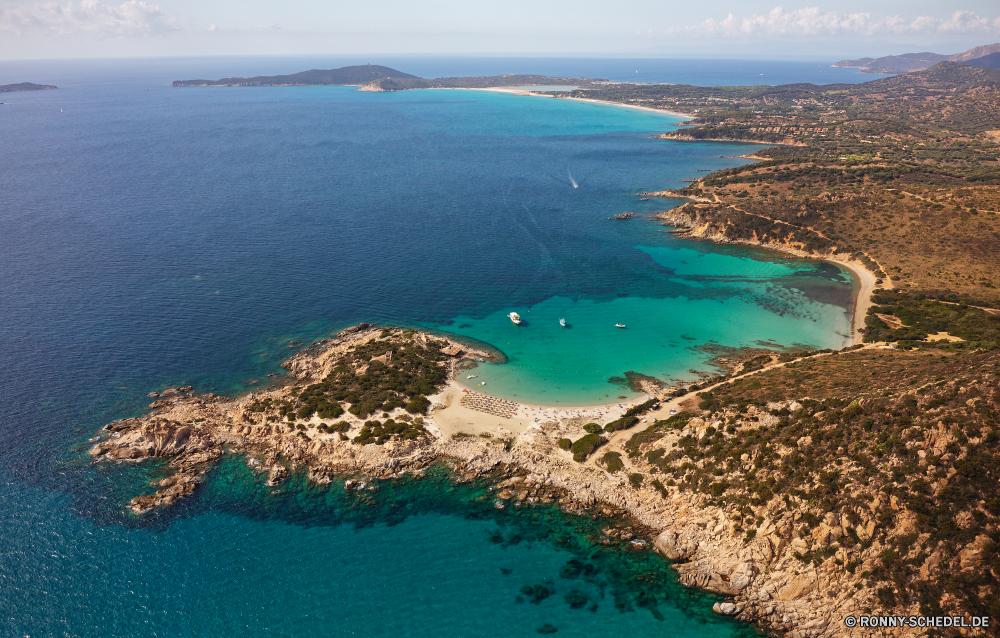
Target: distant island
{"x":25,"y":86}
{"x":372,"y":77}
{"x":908,"y":62}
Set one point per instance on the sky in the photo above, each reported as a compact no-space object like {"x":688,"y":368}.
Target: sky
{"x":50,"y":29}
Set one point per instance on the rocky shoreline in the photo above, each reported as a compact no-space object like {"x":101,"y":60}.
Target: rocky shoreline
{"x":686,"y":137}
{"x":767,"y":584}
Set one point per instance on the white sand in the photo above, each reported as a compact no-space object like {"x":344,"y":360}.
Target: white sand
{"x":863,"y":299}
{"x":527,"y":92}
{"x":455,"y":417}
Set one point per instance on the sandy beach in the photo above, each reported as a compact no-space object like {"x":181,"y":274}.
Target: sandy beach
{"x":455,"y":418}
{"x":530,"y":93}
{"x":863,"y":297}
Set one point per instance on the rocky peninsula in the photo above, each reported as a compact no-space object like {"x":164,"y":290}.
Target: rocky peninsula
{"x":404,"y":413}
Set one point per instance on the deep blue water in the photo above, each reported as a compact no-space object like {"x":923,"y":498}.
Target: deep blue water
{"x":152,"y":236}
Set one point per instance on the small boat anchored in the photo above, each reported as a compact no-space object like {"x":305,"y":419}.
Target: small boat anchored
{"x":562,"y":322}
{"x":619,"y":325}
{"x":472,"y":376}
{"x":516,"y":318}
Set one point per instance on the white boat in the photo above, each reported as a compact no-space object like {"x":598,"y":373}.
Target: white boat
{"x":562,"y":322}
{"x":619,"y":325}
{"x":472,"y":376}
{"x":516,"y":318}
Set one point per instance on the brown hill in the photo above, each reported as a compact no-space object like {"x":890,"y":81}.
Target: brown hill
{"x":908,"y":62}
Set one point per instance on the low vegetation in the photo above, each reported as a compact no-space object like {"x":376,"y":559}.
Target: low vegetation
{"x":384,"y":374}
{"x":585,"y":446}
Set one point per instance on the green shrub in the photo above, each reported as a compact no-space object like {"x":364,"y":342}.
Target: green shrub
{"x":565,"y":444}
{"x":339,"y":426}
{"x":585,"y":446}
{"x":659,"y":487}
{"x":331,"y":411}
{"x":613,"y":461}
{"x":635,"y":479}
{"x":592,"y":428}
{"x":418,"y":405}
{"x":642,"y":408}
{"x":623,"y":423}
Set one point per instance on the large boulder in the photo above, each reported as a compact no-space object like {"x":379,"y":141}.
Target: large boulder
{"x":797,"y":587}
{"x":675,"y":548}
{"x":972,"y":556}
{"x":720,"y":580}
{"x":726,"y":609}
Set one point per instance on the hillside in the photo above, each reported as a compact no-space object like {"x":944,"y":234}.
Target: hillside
{"x":991,"y":61}
{"x":903,"y":170}
{"x":894,"y":63}
{"x":908,"y":62}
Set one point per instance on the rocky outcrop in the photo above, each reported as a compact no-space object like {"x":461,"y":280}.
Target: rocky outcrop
{"x":134,"y":439}
{"x":726,"y":609}
{"x":674,"y":547}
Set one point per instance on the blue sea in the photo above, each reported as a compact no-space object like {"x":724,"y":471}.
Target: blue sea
{"x":152,"y":236}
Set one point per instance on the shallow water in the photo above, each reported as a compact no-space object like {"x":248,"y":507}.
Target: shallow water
{"x":167,"y":236}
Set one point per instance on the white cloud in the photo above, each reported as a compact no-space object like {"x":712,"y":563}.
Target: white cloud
{"x":813,"y":21}
{"x":131,"y":18}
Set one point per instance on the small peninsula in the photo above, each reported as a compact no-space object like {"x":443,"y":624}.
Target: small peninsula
{"x":25,"y":86}
{"x":805,"y":486}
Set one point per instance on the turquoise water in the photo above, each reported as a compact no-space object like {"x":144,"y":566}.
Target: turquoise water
{"x":787,"y":303}
{"x":415,"y":557}
{"x":152,"y":236}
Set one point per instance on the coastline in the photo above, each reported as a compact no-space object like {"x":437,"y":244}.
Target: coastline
{"x":687,"y":138}
{"x":863,"y":296}
{"x":530,"y":93}
{"x":628,"y":106}
{"x":692,"y":229}
{"x":526,"y":460}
